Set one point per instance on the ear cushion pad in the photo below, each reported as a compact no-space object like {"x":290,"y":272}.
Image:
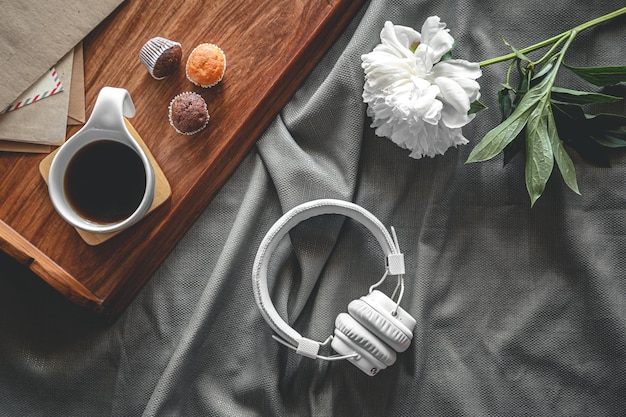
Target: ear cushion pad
{"x":381,"y":326}
{"x":364,"y":339}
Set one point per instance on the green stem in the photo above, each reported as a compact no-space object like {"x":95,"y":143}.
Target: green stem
{"x":548,"y":54}
{"x":556,"y":38}
{"x":561,"y":55}
{"x":600,"y":19}
{"x":531,"y":48}
{"x":508,"y":74}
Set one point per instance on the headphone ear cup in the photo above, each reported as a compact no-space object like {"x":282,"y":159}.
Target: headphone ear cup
{"x":379,"y":325}
{"x":374,"y":312}
{"x":351,"y":337}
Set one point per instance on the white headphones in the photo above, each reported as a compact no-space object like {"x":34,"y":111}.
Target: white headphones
{"x":375,"y":328}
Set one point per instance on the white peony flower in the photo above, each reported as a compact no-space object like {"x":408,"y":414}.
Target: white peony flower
{"x":414,"y":98}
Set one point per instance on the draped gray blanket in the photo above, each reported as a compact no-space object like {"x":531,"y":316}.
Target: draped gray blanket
{"x":519,"y":311}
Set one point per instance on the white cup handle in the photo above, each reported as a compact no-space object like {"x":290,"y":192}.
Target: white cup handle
{"x":112,"y":105}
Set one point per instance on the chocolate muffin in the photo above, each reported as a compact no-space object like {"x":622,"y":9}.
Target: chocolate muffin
{"x":188,"y":113}
{"x":161,"y":57}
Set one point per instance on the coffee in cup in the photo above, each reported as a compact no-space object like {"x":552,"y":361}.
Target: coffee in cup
{"x":101,"y":180}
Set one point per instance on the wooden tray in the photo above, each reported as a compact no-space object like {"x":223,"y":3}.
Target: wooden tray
{"x":271,"y":46}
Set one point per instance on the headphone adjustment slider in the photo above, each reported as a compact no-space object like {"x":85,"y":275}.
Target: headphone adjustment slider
{"x":307,"y":347}
{"x":395,"y":264}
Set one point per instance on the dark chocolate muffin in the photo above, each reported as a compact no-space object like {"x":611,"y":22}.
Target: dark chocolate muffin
{"x":188,"y":113}
{"x":161,"y":57}
{"x":168,"y":62}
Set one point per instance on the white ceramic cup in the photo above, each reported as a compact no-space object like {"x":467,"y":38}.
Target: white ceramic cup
{"x":105,"y":123}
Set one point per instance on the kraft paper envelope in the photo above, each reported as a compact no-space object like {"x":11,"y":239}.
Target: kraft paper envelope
{"x":35,"y":35}
{"x":75,"y":113}
{"x":6,"y":146}
{"x":76,"y":110}
{"x":43,"y":122}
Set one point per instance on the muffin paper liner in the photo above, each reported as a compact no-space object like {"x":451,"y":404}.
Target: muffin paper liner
{"x":152,"y":50}
{"x":170,"y":113}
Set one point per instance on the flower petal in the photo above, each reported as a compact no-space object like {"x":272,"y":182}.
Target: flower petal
{"x":437,"y":38}
{"x":457,"y":68}
{"x":452,"y":93}
{"x":407,"y":36}
{"x":396,"y":45}
{"x":471,"y":87}
{"x":440,"y":45}
{"x":454,"y":119}
{"x":431,"y":27}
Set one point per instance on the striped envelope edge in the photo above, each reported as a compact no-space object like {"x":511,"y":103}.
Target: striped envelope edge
{"x":49,"y":84}
{"x":38,"y":41}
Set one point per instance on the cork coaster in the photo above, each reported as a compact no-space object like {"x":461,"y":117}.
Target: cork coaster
{"x":162,"y":191}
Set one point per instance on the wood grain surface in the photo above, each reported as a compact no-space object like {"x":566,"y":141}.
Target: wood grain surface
{"x":270,"y":45}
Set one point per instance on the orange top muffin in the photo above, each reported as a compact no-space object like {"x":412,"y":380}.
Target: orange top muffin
{"x":206,"y":65}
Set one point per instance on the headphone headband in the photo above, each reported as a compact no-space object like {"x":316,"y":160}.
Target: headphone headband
{"x":290,"y":337}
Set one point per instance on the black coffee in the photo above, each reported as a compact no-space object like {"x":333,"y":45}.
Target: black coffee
{"x":105,"y":181}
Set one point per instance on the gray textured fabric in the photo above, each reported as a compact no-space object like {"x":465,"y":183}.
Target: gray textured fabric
{"x":519,"y":311}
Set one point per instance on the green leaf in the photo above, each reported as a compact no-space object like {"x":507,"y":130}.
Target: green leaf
{"x":497,"y":138}
{"x":476,"y":106}
{"x":600,"y":76}
{"x":574,"y":130}
{"x":518,"y":53}
{"x":612,"y":139}
{"x":505,"y":102}
{"x":566,"y":95}
{"x":607,"y":128}
{"x":575,"y":126}
{"x":539,"y":155}
{"x":506,"y":108}
{"x":514,"y":147}
{"x":526,"y":76}
{"x":546,"y":68}
{"x":563,"y":161}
